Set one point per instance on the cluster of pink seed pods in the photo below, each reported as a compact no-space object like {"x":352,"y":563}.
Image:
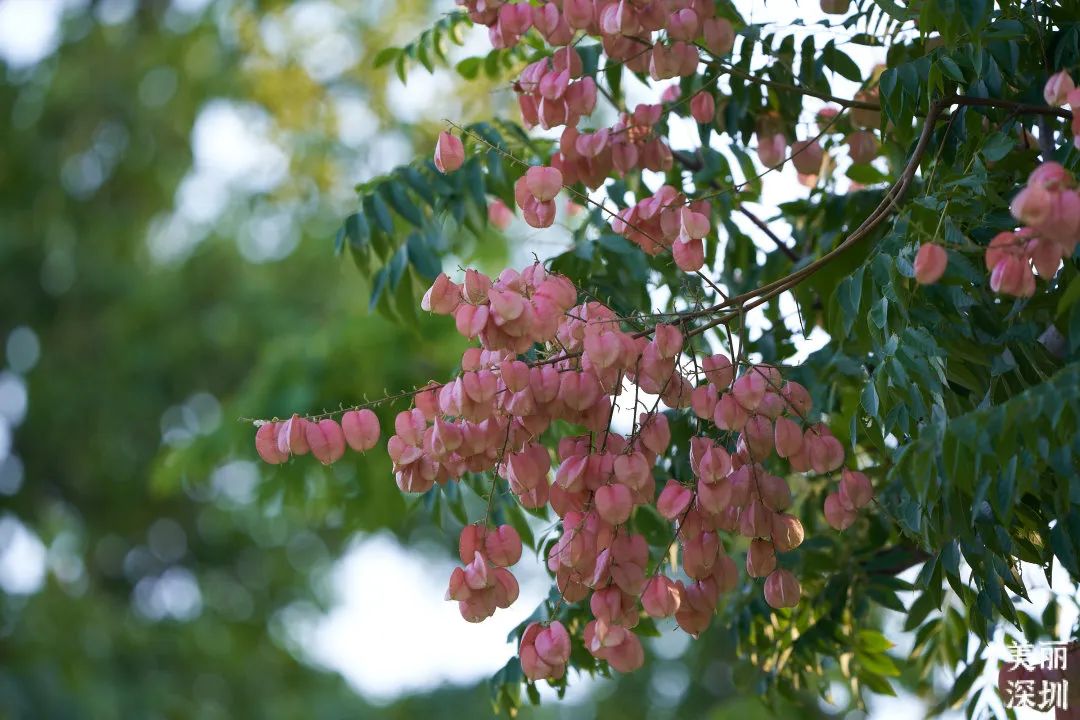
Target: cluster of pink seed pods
{"x":495,"y":415}
{"x":1049,"y":207}
{"x":325,"y":439}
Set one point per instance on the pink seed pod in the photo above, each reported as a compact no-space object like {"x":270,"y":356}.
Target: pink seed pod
{"x":807,"y":155}
{"x":826,"y":452}
{"x":703,"y":401}
{"x":703,"y":108}
{"x":661,"y":598}
{"x":930,"y":263}
{"x":755,"y":521}
{"x":719,"y":36}
{"x":326,"y":440}
{"x":543,"y":183}
{"x":1032,"y":205}
{"x":361,"y":428}
{"x":476,"y":573}
{"x":775,"y":493}
{"x":502,"y":546}
{"x":458,"y":589}
{"x":782,"y":589}
{"x":700,"y":553}
{"x":266,"y":444}
{"x":758,"y":433}
{"x":292,"y":436}
{"x":654,"y":433}
{"x":674,"y":500}
{"x":797,"y":398}
{"x":1058,"y":88}
{"x":714,"y":497}
{"x":668,"y":341}
{"x":760,"y":559}
{"x":856,"y":488}
{"x":787,"y":532}
{"x":788,"y":437}
{"x":770,"y":150}
{"x":499,"y":215}
{"x":718,"y":370}
{"x":838,"y":517}
{"x":449,"y":153}
{"x":506,"y":588}
{"x":749,"y":389}
{"x":862,"y":146}
{"x":443,"y":297}
{"x":471,"y":541}
{"x":730,"y":415}
{"x":614,"y":503}
{"x":553,"y":644}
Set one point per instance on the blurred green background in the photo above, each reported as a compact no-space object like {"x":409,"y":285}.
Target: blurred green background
{"x":171,"y":178}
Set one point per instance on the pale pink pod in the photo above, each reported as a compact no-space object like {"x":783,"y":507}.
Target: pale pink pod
{"x":760,"y":558}
{"x":442,"y":297}
{"x":770,"y":150}
{"x":505,"y":588}
{"x":361,"y":428}
{"x":502,"y":546}
{"x":553,"y":644}
{"x":749,"y":389}
{"x":807,"y":155}
{"x":674,"y":500}
{"x":856,"y":488}
{"x":654,"y":433}
{"x":719,"y":36}
{"x":839,"y":517}
{"x":703,"y":108}
{"x":1058,"y":88}
{"x":787,"y":532}
{"x":862,"y":146}
{"x":266,"y":444}
{"x":758,"y":433}
{"x":755,"y":521}
{"x":826,"y":452}
{"x":714,"y":497}
{"x":292,"y":436}
{"x":326,"y":440}
{"x":668,"y":340}
{"x":797,"y":398}
{"x":700,"y":553}
{"x":719,"y":370}
{"x":730,"y":415}
{"x":930,"y":263}
{"x":449,"y":153}
{"x":689,"y":256}
{"x":499,"y":215}
{"x":661,"y":598}
{"x":788,"y":437}
{"x":458,"y":589}
{"x":683,"y":25}
{"x":782,"y":589}
{"x":543,"y":183}
{"x":774,"y":491}
{"x":614,"y":503}
{"x":1032,"y":205}
{"x":476,"y":573}
{"x":470,"y":541}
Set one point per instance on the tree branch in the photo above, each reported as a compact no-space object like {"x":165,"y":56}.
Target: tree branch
{"x":768,"y":231}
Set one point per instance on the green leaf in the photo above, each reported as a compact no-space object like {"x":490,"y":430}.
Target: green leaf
{"x":398,"y":197}
{"x":997,"y":146}
{"x":840,"y":63}
{"x":469,"y":68}
{"x":386,"y":56}
{"x":870,"y":398}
